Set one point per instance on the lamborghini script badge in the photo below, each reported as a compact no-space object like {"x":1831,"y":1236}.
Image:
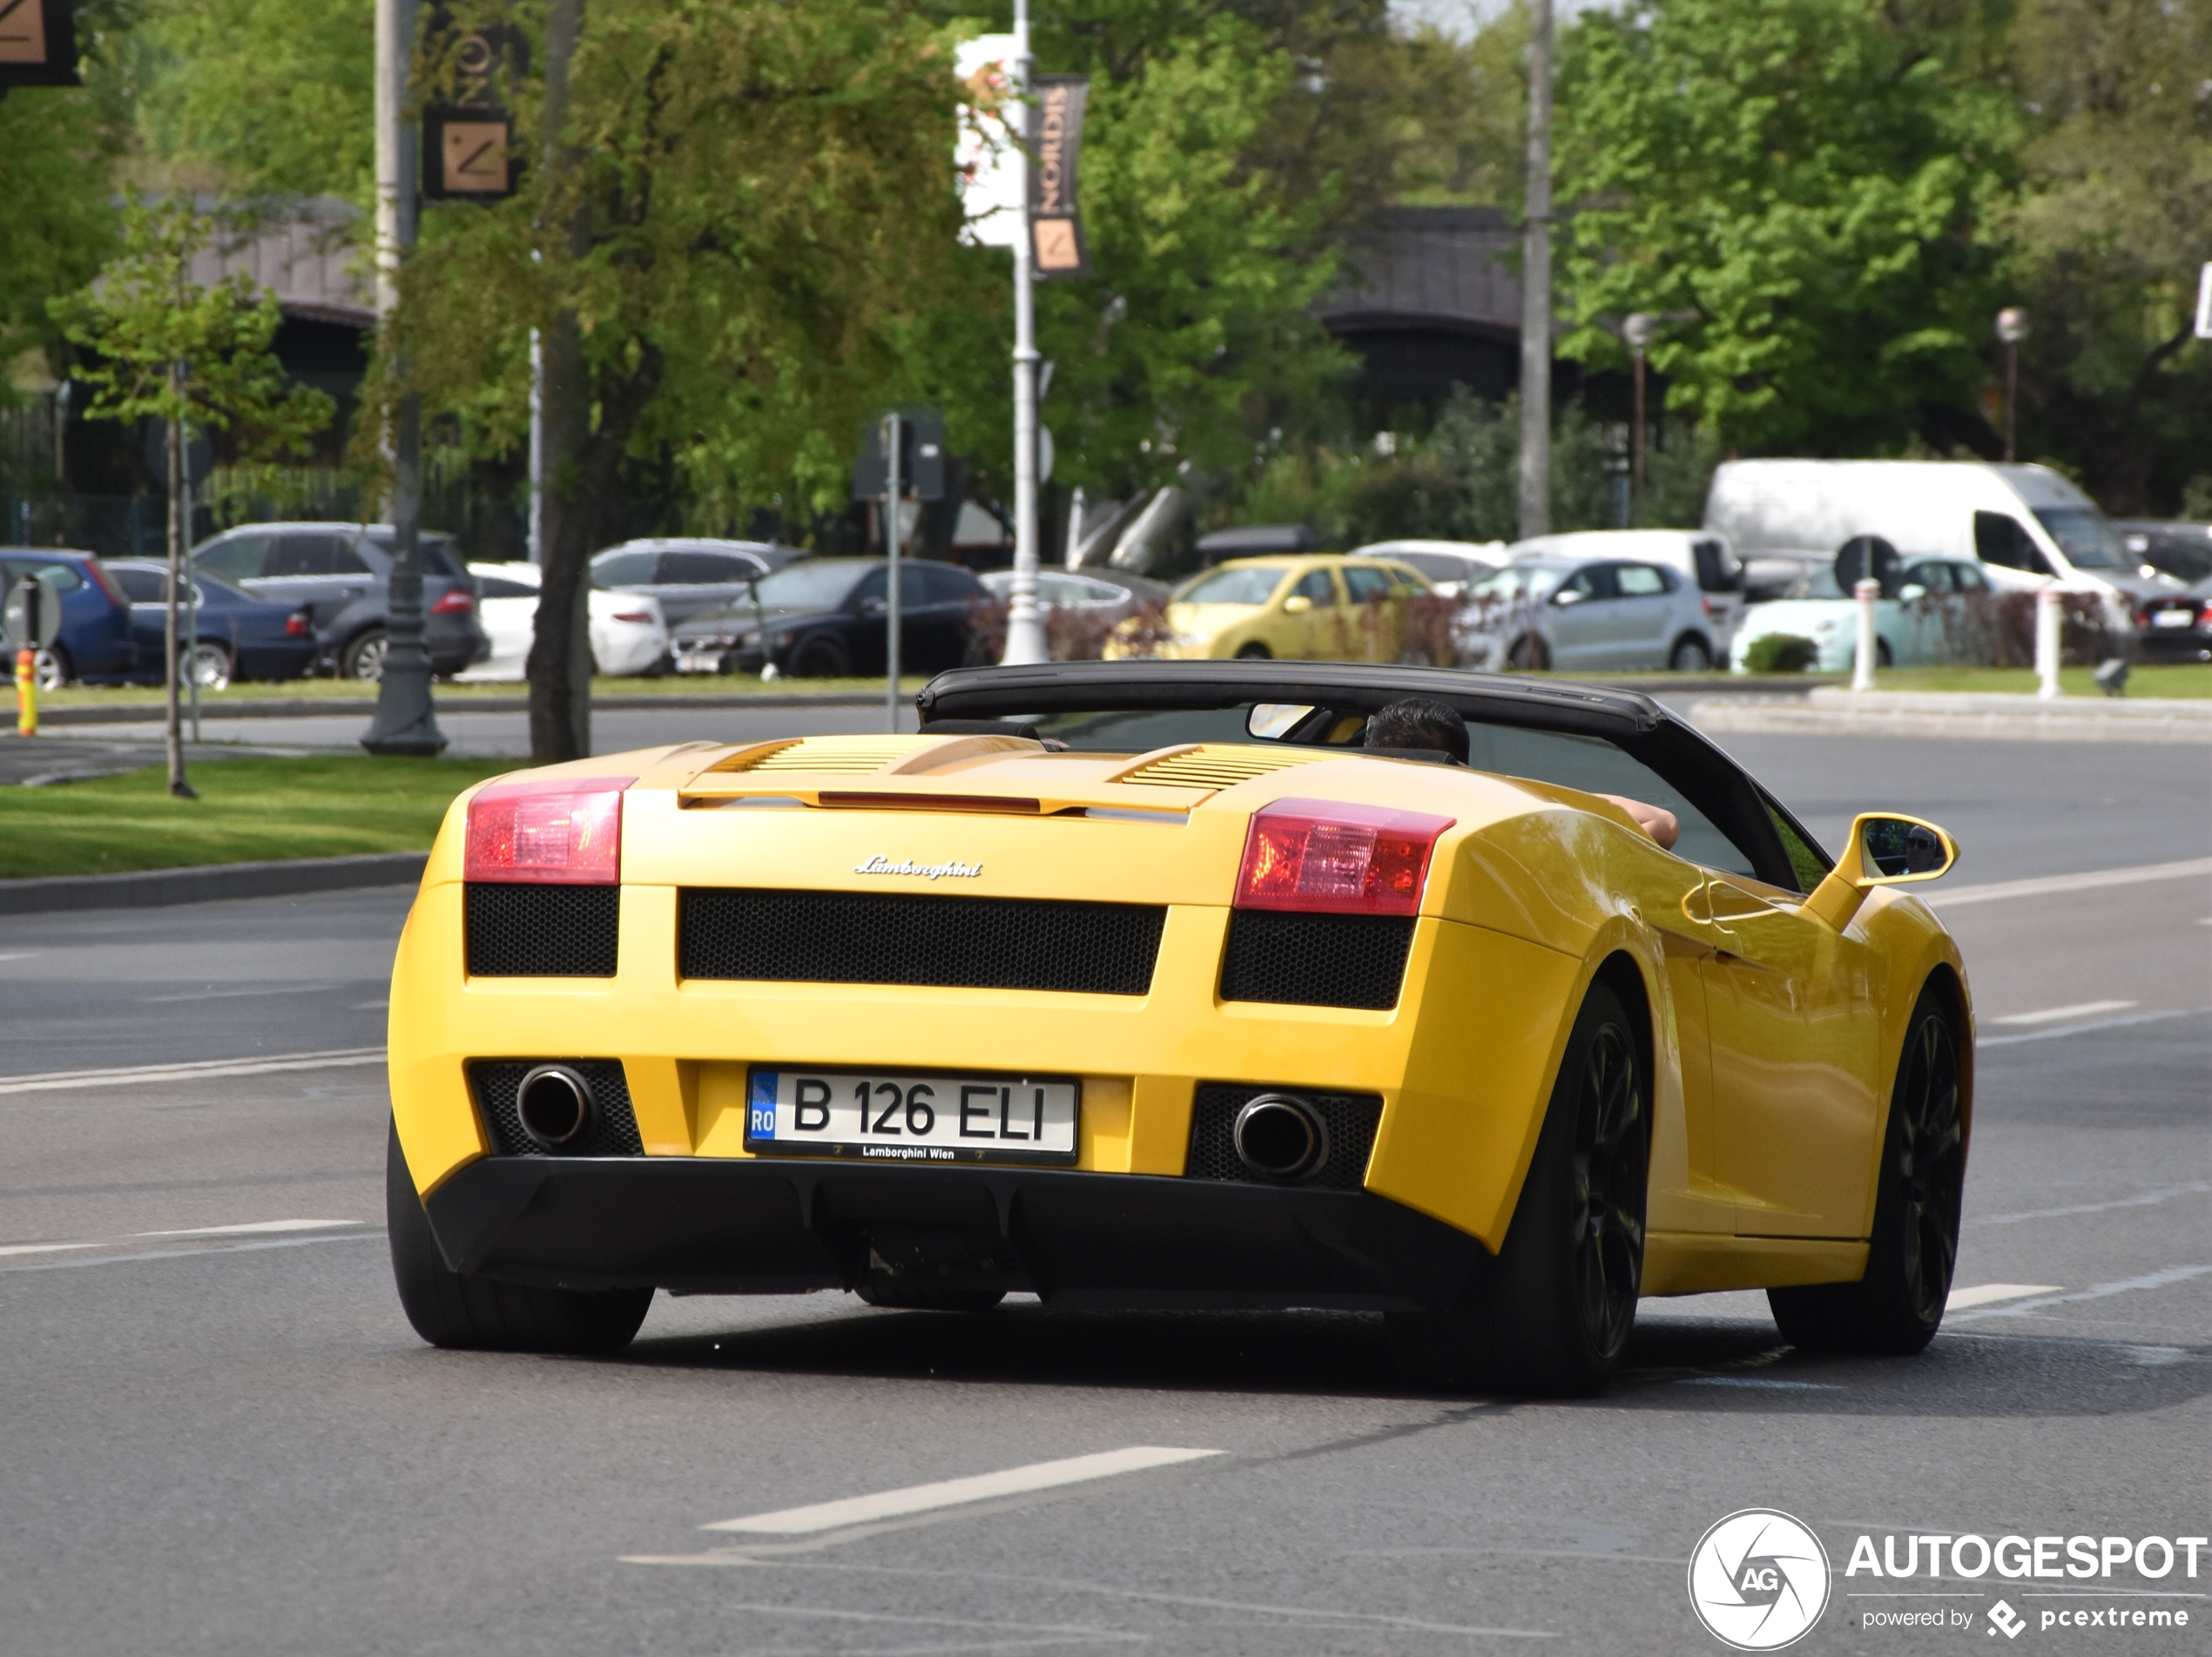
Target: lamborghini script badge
{"x":957,"y":870}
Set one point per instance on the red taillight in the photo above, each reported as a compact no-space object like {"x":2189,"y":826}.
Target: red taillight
{"x":458,"y":601}
{"x":1338,"y":858}
{"x":554,"y":833}
{"x":297,"y":625}
{"x":640,"y":616}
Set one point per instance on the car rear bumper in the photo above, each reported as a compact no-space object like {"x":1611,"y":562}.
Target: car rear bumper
{"x":789,"y":1225}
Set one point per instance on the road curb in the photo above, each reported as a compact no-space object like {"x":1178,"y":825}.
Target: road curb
{"x":323,"y":707}
{"x":1837,"y":712}
{"x":213,"y":882}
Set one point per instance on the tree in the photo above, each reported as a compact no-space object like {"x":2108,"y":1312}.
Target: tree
{"x":163,"y":348}
{"x":2107,"y":240}
{"x":1802,"y":188}
{"x":729,"y":207}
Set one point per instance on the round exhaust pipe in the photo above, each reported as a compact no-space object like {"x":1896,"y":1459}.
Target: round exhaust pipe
{"x":1280,"y":1136}
{"x":554,"y":1106}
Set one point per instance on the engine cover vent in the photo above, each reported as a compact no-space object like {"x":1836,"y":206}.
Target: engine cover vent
{"x":1217,"y":764}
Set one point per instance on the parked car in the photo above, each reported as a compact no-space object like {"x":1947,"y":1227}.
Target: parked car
{"x":628,"y":634}
{"x":825,"y":618}
{"x":1576,"y":615}
{"x":1927,"y":618}
{"x":688,"y":578}
{"x":237,"y":636}
{"x":2176,"y":627}
{"x":2181,"y":550}
{"x":1317,"y":607}
{"x":1701,"y":557}
{"x":2027,"y":524}
{"x":1097,"y":591}
{"x":341,"y":573}
{"x":1449,"y":565}
{"x":97,"y":643}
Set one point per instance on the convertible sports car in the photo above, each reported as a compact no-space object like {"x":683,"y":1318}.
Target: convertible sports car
{"x":1152,"y":984}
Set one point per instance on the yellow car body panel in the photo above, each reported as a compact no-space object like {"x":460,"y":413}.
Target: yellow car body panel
{"x":1773,"y":1037}
{"x":1341,"y":629}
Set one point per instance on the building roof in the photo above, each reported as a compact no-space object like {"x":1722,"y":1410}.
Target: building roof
{"x":1429,"y":268}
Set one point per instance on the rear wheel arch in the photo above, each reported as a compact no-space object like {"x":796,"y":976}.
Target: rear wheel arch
{"x":1944,"y":985}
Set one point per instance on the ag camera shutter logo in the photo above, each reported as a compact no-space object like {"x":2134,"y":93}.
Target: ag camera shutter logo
{"x":1758,"y":1579}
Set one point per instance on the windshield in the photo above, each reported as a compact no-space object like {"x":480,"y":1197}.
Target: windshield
{"x":1518,"y":581}
{"x":1253,"y":585}
{"x":2088,"y":542}
{"x":809,"y":586}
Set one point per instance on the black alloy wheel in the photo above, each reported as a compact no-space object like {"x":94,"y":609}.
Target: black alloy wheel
{"x":1691,"y":655}
{"x":1255,"y":652}
{"x":1528,"y":655}
{"x":1898,"y":1306}
{"x":821,"y":657}
{"x":461,"y":1310}
{"x":1551,"y":1315}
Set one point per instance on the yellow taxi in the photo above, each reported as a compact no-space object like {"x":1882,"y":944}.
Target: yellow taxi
{"x":1309,"y":607}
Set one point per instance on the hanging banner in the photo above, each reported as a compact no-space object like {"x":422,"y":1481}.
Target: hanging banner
{"x":1056,"y":222}
{"x":38,"y":43}
{"x":468,"y":138}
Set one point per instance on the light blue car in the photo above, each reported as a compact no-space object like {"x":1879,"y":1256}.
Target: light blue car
{"x":1935,"y":617}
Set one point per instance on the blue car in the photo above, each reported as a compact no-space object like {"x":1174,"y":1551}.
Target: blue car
{"x":98,"y":643}
{"x":239,"y":637}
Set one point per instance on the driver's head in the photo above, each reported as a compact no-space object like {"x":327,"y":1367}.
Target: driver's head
{"x":1419,"y":722}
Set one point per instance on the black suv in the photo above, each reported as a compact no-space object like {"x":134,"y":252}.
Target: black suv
{"x":341,"y":574}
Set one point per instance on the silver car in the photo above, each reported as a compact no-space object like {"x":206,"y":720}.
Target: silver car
{"x":1577,"y":614}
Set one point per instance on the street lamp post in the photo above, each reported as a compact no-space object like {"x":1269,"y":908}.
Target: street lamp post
{"x":1025,"y":641}
{"x":2012,"y":329}
{"x":1535,"y":472}
{"x":1640,"y":330}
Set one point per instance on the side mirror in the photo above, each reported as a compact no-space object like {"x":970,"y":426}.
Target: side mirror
{"x":1910,"y":591}
{"x":1296,"y":604}
{"x":1884,"y":850}
{"x":1567,"y":595}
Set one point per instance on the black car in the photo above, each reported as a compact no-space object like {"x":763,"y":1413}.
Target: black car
{"x":239,"y":637}
{"x":691,"y":577}
{"x":2181,"y":550}
{"x":2175,"y":627}
{"x":825,"y":618}
{"x":341,"y":574}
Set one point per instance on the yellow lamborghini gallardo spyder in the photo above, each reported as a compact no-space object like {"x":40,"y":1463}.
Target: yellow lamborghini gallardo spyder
{"x":1184,"y":984}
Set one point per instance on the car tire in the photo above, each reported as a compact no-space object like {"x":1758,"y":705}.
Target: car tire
{"x":1551,"y":1316}
{"x":363,"y":656}
{"x":1898,"y":1306}
{"x":1528,"y":654}
{"x":469,"y":1313}
{"x":51,"y":668}
{"x":892,"y":1298}
{"x":1691,"y":655}
{"x":1255,"y":652}
{"x":209,"y":664}
{"x":821,"y":657}
{"x":1882,"y":657}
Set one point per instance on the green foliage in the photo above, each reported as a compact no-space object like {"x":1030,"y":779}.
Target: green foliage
{"x":1780,"y":653}
{"x":1480,"y":443}
{"x":2106,"y":237}
{"x":1676,"y":478}
{"x":163,"y":348}
{"x":277,"y":94}
{"x":1798,"y":186}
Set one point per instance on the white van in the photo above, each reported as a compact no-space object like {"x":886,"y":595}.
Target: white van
{"x":2027,"y":524}
{"x":1701,"y":558}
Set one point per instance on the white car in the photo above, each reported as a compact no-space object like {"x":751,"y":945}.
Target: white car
{"x":1449,"y":565}
{"x":1580,"y":614}
{"x":628,"y":634}
{"x":1934,"y":618}
{"x":1697,"y":556}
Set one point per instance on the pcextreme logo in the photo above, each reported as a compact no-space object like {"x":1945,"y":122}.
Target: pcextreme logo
{"x":1758,"y":1579}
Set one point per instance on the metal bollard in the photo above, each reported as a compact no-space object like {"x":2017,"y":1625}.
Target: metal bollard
{"x":26,"y":693}
{"x":1868,"y":593}
{"x":2047,"y":641}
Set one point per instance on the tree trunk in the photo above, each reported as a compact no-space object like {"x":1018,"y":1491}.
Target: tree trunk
{"x":172,"y":734}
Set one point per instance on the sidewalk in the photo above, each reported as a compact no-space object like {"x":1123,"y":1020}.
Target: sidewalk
{"x":1832,"y":711}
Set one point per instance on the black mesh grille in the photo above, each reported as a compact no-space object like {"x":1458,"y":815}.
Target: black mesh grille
{"x":885,"y":938}
{"x":1351,"y":1118}
{"x":613,"y":1131}
{"x":542,"y":931}
{"x":1315,"y":960}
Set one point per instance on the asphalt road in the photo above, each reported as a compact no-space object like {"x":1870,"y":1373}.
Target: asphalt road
{"x":228,"y":1441}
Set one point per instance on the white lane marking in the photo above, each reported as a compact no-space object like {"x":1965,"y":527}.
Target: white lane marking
{"x":45,"y":1247}
{"x":1760,"y":1382}
{"x":1990,"y":1294}
{"x":954,"y":1493}
{"x":2087,"y":1029}
{"x":233,"y":995}
{"x":2140,"y":874}
{"x":25,"y":954}
{"x":182,"y":1254}
{"x":127,"y":1076}
{"x":2077,"y":1010}
{"x":2099,"y":1291}
{"x":251,"y":1228}
{"x":2140,"y":1200}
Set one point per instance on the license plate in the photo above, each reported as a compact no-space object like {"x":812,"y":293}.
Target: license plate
{"x":2173,"y":618}
{"x":891,"y":1117}
{"x":708,"y":662}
